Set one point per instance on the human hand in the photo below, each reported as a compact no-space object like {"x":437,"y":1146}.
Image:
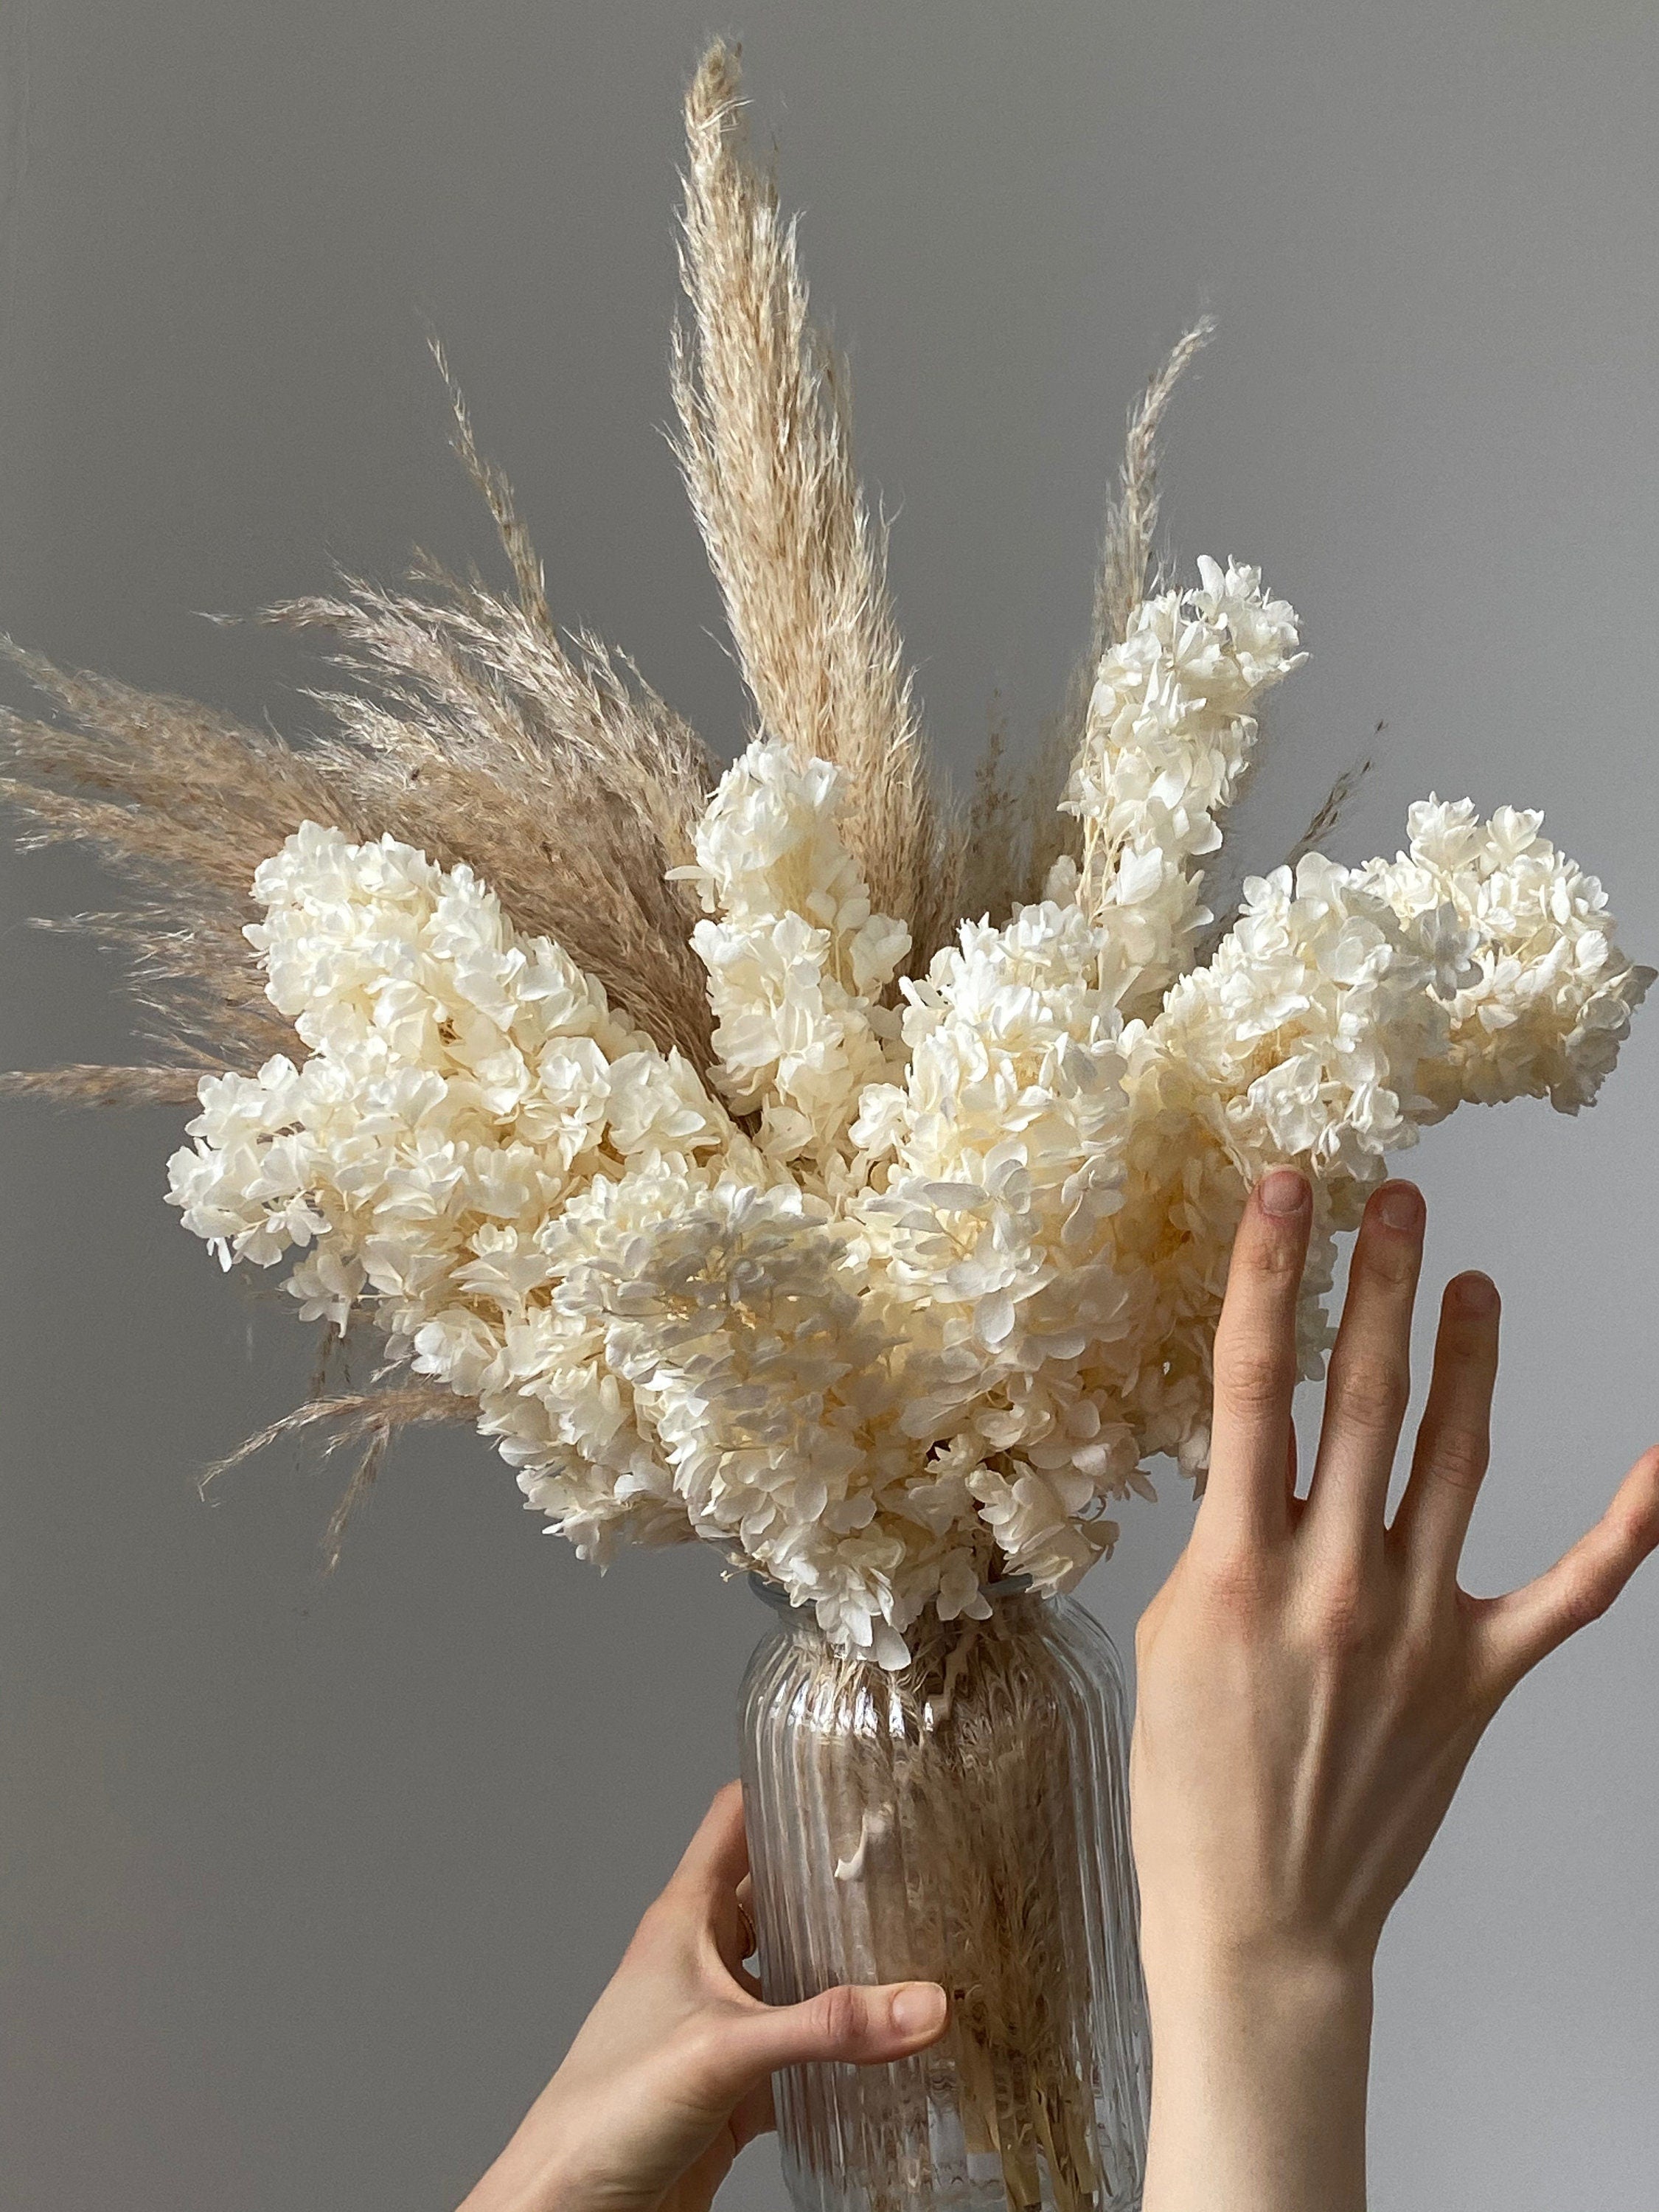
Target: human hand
{"x":669,"y":2074}
{"x":1312,"y":1682}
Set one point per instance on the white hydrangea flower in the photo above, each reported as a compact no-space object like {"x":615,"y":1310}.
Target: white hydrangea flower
{"x":1170,"y":733}
{"x":914,"y":1324}
{"x":797,"y":961}
{"x":995,"y":1174}
{"x":462,"y":1083}
{"x":1345,"y":1010}
{"x":1538,"y":996}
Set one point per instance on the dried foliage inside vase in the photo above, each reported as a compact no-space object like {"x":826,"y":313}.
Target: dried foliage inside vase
{"x":962,"y":1820}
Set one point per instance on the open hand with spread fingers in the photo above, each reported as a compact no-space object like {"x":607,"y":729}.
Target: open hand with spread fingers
{"x":669,"y":2074}
{"x":1312,"y":1682}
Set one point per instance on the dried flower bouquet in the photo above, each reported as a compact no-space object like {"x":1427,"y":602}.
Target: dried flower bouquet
{"x":671,"y":1122}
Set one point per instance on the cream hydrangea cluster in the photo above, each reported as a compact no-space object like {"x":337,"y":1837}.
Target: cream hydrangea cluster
{"x":1166,"y":747}
{"x":797,"y":962}
{"x":903,"y":1297}
{"x":461,"y":1086}
{"x":1348,"y":1010}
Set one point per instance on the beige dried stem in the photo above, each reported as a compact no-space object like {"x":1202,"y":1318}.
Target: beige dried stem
{"x":1325,"y":816}
{"x":369,"y":1417}
{"x":627,"y":737}
{"x":968,"y":1769}
{"x":1330,"y":811}
{"x":992,"y":873}
{"x":766,"y":450}
{"x":1128,"y":546}
{"x":1123,"y":577}
{"x":80,"y":1083}
{"x":475,"y":732}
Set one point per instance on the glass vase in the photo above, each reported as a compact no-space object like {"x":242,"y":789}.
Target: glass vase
{"x":964,"y":1820}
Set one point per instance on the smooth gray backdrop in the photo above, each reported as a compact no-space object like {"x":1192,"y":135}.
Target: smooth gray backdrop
{"x":304,"y":1885}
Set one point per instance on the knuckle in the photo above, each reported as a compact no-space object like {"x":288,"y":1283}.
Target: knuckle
{"x":1253,"y":1376}
{"x":1458,"y":1460}
{"x":841,"y":2017}
{"x":1372,"y":1395}
{"x":1343,"y":1609}
{"x":1270,"y":1262}
{"x":1234,"y":1582}
{"x":1390,"y":1261}
{"x":1585,"y":1597}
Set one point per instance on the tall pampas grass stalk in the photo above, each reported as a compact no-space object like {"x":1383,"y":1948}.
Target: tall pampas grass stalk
{"x":1016,"y":829}
{"x":766,"y":449}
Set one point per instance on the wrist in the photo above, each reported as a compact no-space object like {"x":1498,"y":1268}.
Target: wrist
{"x":543,"y":2167}
{"x":1188,"y":1962}
{"x":1260,"y":2053}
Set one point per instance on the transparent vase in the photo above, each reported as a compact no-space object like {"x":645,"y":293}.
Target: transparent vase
{"x":964,"y":1820}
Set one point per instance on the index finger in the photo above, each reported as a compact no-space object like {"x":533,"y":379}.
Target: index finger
{"x":716,"y":1859}
{"x":1245,"y":1500}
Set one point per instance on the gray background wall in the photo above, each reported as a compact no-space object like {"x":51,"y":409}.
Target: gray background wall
{"x":303,"y":1887}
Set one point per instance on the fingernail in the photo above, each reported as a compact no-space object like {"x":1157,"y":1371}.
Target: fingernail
{"x":1476,"y":1294}
{"x":918,"y":2008}
{"x":1283,"y":1191}
{"x":1400,"y":1205}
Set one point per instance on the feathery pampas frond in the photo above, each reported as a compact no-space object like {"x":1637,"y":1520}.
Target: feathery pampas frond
{"x":80,"y":1084}
{"x":1124,"y":579}
{"x":1325,"y":816}
{"x":557,"y":773}
{"x":184,"y":802}
{"x":474,"y":734}
{"x":1330,"y":810}
{"x":1016,"y":833}
{"x":766,"y":451}
{"x":369,"y":1417}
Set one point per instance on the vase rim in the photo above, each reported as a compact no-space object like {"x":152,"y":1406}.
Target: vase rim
{"x":777,"y":1600}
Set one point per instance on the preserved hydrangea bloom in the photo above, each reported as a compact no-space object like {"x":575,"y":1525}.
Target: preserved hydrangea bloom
{"x":999,"y":1169}
{"x":1540,"y":996}
{"x":462,"y":1084}
{"x":796,"y":960}
{"x":1346,"y":1010}
{"x":1168,"y":740}
{"x":917,"y":1315}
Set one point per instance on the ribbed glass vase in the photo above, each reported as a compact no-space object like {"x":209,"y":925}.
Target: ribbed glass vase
{"x":964,"y":1820}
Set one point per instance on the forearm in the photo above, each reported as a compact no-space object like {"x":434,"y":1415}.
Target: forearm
{"x":1259,"y":2079}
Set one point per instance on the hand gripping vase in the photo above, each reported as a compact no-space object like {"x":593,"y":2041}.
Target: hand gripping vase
{"x":964,"y":1820}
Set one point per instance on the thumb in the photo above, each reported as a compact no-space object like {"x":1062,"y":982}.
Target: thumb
{"x":863,"y":2026}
